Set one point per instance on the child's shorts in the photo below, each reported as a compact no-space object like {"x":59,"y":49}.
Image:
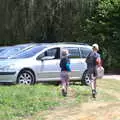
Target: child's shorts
{"x":64,"y":75}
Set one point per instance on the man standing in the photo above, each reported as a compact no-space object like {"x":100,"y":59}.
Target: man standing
{"x":93,"y":61}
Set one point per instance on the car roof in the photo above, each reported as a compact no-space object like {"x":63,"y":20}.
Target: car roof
{"x":65,"y":44}
{"x":45,"y":46}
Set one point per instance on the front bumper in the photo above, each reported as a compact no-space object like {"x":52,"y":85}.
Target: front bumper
{"x":8,"y":77}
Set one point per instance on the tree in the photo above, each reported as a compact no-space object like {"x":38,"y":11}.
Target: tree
{"x":104,"y":28}
{"x":43,"y":20}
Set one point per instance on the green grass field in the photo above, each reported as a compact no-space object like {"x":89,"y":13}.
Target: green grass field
{"x":18,"y":101}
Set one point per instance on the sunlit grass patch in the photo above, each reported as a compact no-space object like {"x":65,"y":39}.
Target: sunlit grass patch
{"x":19,"y":101}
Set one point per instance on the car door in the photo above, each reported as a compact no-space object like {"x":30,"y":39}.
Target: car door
{"x":84,"y":51}
{"x":49,"y":69}
{"x":75,"y":62}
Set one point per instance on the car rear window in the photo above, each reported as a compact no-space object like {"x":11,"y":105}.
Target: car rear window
{"x":85,"y":51}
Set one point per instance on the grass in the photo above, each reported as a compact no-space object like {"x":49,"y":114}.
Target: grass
{"x":19,"y":101}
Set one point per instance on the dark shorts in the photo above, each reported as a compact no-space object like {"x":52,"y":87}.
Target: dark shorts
{"x":93,"y":71}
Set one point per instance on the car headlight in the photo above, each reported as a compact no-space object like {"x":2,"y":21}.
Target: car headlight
{"x":8,"y":68}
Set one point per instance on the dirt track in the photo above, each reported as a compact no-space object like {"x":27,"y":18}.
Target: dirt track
{"x":92,"y":110}
{"x":87,"y":111}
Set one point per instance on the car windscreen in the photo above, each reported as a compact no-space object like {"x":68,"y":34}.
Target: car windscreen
{"x":11,"y":51}
{"x":1,"y":49}
{"x":29,"y":53}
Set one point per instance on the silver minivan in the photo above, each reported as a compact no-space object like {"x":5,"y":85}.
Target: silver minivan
{"x":41,"y":63}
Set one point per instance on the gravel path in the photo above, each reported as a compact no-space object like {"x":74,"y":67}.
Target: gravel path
{"x":116,"y":77}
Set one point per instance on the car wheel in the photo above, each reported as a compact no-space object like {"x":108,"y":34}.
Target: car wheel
{"x":26,"y":77}
{"x":85,"y":79}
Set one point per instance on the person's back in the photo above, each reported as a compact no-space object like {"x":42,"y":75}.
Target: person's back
{"x":93,"y":60}
{"x":64,"y":64}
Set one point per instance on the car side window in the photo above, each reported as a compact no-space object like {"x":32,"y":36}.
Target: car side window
{"x":73,"y":52}
{"x":85,"y":51}
{"x":54,"y":52}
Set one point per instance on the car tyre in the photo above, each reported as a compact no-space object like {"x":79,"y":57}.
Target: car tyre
{"x":26,"y":77}
{"x":85,"y":79}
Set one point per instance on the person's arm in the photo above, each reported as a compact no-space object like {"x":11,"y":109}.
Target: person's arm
{"x":98,"y":60}
{"x":60,"y":63}
{"x":87,"y":57}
